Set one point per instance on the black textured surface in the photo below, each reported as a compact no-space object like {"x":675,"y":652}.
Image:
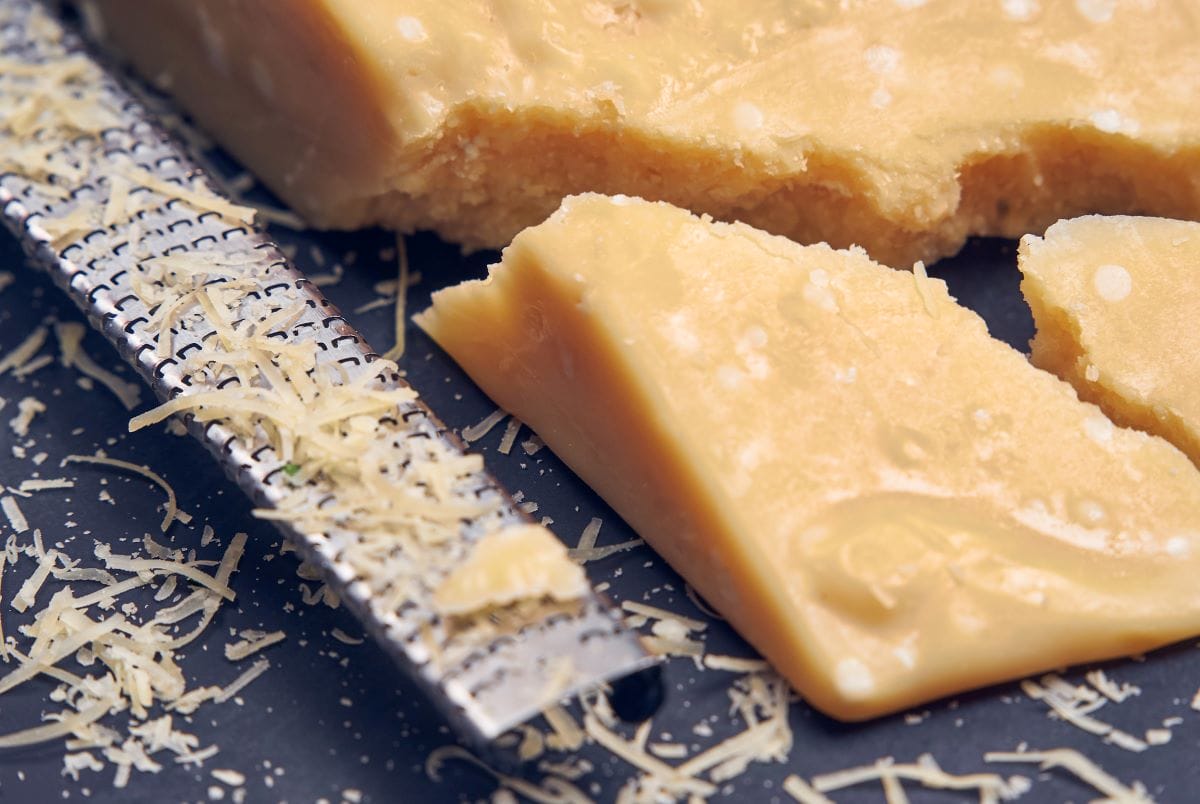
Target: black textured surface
{"x":330,"y":717}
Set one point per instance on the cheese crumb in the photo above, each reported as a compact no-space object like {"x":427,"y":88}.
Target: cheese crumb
{"x":230,"y":777}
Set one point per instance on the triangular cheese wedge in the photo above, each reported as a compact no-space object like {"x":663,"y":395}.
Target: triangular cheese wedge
{"x":1117,"y":303}
{"x":885,"y":501}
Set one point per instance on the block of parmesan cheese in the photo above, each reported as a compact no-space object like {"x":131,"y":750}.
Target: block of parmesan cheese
{"x":885,"y":501}
{"x":1116,"y":301}
{"x":899,"y":125}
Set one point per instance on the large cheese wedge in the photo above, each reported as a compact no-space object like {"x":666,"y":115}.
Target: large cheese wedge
{"x":887,"y":502}
{"x":1117,"y":305}
{"x":899,"y":125}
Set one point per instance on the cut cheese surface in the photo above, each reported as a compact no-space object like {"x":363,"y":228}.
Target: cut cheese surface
{"x":888,"y":503}
{"x":1116,"y":301}
{"x":901,"y":126}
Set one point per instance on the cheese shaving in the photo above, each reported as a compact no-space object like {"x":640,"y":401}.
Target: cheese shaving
{"x":27,"y":594}
{"x":229,"y":777}
{"x":803,"y":792}
{"x":36,"y":364}
{"x":198,"y":199}
{"x":1075,"y":705}
{"x":699,"y":603}
{"x":926,"y":772}
{"x":401,"y":296}
{"x":244,"y":680}
{"x":70,"y":343}
{"x":279,"y":217}
{"x":552,"y":790}
{"x":735,"y":664}
{"x":1110,"y":689}
{"x":668,"y":750}
{"x":478,"y":431}
{"x":511,"y":430}
{"x":115,"y":210}
{"x":597,"y":553}
{"x":46,"y":484}
{"x":1082,"y":768}
{"x":12,"y":511}
{"x":665,"y":777}
{"x":587,"y":539}
{"x":236,"y":651}
{"x":138,"y":469}
{"x":24,"y":351}
{"x":662,"y":614}
{"x":344,"y":638}
{"x":27,"y":409}
{"x":567,"y":735}
{"x":69,"y":724}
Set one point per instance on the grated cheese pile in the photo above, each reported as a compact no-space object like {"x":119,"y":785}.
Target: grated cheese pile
{"x":117,"y":674}
{"x":1075,"y":705}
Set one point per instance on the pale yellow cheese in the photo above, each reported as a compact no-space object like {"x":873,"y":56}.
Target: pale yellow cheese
{"x":899,"y":125}
{"x":518,"y":562}
{"x":1117,"y":305}
{"x":888,"y":503}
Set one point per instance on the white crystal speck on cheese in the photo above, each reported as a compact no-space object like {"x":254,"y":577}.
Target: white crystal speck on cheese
{"x":1112,"y":282}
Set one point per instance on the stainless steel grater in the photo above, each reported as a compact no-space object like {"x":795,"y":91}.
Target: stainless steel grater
{"x":482,"y":688}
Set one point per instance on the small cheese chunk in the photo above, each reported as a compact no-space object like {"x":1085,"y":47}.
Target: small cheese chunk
{"x":519,"y":562}
{"x":1116,"y":301}
{"x":888,"y":503}
{"x":902,"y":127}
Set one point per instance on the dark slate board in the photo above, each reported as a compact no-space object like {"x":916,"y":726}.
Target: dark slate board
{"x":329,"y":717}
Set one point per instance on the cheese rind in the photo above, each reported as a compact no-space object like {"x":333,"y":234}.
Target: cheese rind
{"x":903,"y":128}
{"x":1115,"y":300}
{"x":888,"y":503}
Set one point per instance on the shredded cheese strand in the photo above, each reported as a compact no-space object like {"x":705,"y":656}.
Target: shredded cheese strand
{"x":138,"y":469}
{"x":51,"y":731}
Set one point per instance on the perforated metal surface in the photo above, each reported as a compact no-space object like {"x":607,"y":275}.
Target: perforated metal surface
{"x":484,"y":688}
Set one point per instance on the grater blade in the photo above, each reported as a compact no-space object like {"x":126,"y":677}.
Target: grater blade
{"x":484,"y":684}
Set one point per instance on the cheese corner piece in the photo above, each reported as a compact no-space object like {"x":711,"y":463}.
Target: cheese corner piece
{"x":886,"y":502}
{"x":898,"y":125}
{"x":519,"y":562}
{"x":1115,"y":300}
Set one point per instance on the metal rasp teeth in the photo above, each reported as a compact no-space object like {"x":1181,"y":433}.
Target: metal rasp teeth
{"x":485,"y":680}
